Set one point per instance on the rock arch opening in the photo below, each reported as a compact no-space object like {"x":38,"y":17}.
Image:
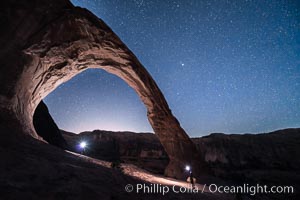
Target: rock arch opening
{"x":97,"y":100}
{"x":63,"y":41}
{"x":101,"y":110}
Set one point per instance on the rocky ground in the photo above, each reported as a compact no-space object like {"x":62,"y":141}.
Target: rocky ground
{"x":31,"y":169}
{"x":143,"y":149}
{"x":267,"y":158}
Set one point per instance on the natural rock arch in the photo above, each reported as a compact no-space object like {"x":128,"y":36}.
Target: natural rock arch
{"x":53,"y":44}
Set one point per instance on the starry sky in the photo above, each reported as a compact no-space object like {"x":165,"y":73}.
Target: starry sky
{"x":223,"y":65}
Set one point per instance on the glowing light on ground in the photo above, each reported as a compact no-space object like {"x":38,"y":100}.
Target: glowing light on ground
{"x":82,"y":144}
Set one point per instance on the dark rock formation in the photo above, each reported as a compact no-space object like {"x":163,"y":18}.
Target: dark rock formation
{"x":46,"y":127}
{"x":45,"y":43}
{"x":141,"y":149}
{"x":269,"y":158}
{"x":275,"y":150}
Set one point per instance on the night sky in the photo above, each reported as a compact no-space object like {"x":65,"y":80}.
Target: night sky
{"x":223,"y":66}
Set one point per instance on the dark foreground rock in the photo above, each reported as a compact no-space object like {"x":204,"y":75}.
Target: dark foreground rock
{"x":46,"y":127}
{"x":33,"y":170}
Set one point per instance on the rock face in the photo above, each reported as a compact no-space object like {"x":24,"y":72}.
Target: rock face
{"x":142,"y":149}
{"x":275,"y":150}
{"x":269,"y":158}
{"x":46,"y":127}
{"x":45,"y":43}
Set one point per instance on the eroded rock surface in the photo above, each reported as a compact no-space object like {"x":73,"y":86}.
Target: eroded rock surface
{"x":45,"y":43}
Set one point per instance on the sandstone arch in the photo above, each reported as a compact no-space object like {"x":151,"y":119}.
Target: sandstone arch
{"x":52,"y":43}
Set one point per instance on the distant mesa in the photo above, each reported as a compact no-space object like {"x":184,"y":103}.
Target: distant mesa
{"x":236,"y":157}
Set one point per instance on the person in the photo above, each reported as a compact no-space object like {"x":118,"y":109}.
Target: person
{"x":192,"y":179}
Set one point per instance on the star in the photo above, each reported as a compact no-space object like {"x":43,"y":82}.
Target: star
{"x":222,"y":58}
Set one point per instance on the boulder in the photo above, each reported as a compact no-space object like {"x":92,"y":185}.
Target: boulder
{"x":46,"y":127}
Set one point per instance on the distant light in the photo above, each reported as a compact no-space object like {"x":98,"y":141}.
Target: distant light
{"x":187,"y":168}
{"x":82,"y":145}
